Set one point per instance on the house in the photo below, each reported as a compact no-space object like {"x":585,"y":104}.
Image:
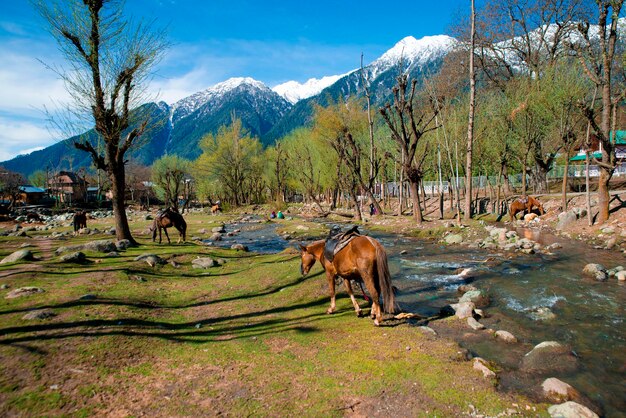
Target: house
{"x":68,"y":187}
{"x":30,"y":195}
{"x":619,"y":139}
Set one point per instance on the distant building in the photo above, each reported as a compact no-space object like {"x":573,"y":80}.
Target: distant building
{"x":619,"y":139}
{"x":68,"y":187}
{"x":30,"y":195}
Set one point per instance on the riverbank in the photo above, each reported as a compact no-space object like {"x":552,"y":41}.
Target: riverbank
{"x":152,"y":331}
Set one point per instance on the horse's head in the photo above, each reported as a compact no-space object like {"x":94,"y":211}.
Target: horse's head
{"x":307,"y":260}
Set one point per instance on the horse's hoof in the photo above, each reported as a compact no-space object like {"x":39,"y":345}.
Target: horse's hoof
{"x":376,"y":322}
{"x":329,"y":311}
{"x":359,"y":314}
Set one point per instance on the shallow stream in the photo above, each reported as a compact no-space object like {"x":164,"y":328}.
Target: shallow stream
{"x":589,"y":315}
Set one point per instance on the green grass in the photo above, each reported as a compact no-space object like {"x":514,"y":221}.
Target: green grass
{"x":250,"y":337}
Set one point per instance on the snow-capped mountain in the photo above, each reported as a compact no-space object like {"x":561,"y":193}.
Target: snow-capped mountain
{"x":413,"y":52}
{"x":294,"y":91}
{"x":258,"y":107}
{"x":216,"y":94}
{"x":265,"y":113}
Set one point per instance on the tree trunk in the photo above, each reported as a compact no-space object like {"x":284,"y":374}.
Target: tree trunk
{"x":470,"y":123}
{"x":417,"y":209}
{"x":564,"y":187}
{"x":603,"y":194}
{"x":116,"y":175}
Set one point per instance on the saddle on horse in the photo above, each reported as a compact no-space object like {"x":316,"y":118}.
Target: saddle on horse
{"x":336,"y":242}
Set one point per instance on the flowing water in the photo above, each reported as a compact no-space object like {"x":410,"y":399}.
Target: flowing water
{"x":589,"y":315}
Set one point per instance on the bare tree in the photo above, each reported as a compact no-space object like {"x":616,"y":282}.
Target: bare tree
{"x":407,"y":127}
{"x":596,"y":52}
{"x":470,"y":123}
{"x":108,"y":61}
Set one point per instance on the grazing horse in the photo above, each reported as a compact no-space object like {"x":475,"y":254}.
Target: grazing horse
{"x":80,"y":221}
{"x":525,"y":204}
{"x":363,"y":259}
{"x":215,"y":209}
{"x":167,"y":219}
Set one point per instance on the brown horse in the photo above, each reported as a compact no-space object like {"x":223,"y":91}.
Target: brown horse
{"x":525,"y":204}
{"x":80,"y":221}
{"x":167,"y":219}
{"x":215,"y":209}
{"x":364,"y":260}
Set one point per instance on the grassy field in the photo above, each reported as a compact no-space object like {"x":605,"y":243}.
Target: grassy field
{"x":249,"y":337}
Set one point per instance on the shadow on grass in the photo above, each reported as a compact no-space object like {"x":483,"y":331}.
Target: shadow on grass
{"x":200,"y":331}
{"x":153,"y":305}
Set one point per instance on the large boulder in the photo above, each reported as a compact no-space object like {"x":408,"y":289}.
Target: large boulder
{"x":571,"y":410}
{"x":596,"y":271}
{"x":21,"y":255}
{"x":549,"y":357}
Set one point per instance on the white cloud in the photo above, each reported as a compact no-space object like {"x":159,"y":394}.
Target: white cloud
{"x":27,"y":86}
{"x":22,"y":137}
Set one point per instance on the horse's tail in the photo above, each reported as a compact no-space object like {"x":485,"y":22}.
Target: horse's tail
{"x":384,"y":279}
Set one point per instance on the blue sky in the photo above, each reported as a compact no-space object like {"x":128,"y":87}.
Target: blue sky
{"x":212,"y":40}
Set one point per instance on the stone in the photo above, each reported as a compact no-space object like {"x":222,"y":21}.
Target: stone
{"x":203,"y":263}
{"x":474,"y":324}
{"x":565,"y":219}
{"x":148,"y":218}
{"x":216,"y":237}
{"x":122,"y":244}
{"x":453,"y":239}
{"x":481,"y":365}
{"x":239,"y":247}
{"x":549,"y":357}
{"x":596,"y":271}
{"x":463,"y":310}
{"x":608,"y":230}
{"x":4,"y":286}
{"x":100,"y":246}
{"x":88,"y":296}
{"x":621,"y":275}
{"x":505,"y":336}
{"x":218,"y":229}
{"x":75,"y":257}
{"x":113,"y":254}
{"x":154,"y":260}
{"x":530,"y":217}
{"x":464,"y":288}
{"x":39,"y":314}
{"x":23,"y":291}
{"x":84,"y":231}
{"x":557,"y":391}
{"x":428,"y":330}
{"x":479,"y":298}
{"x":542,"y":313}
{"x":610,"y":243}
{"x":21,"y":255}
{"x":571,"y":409}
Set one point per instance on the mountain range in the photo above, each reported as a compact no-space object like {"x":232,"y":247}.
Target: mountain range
{"x":266,"y":113}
